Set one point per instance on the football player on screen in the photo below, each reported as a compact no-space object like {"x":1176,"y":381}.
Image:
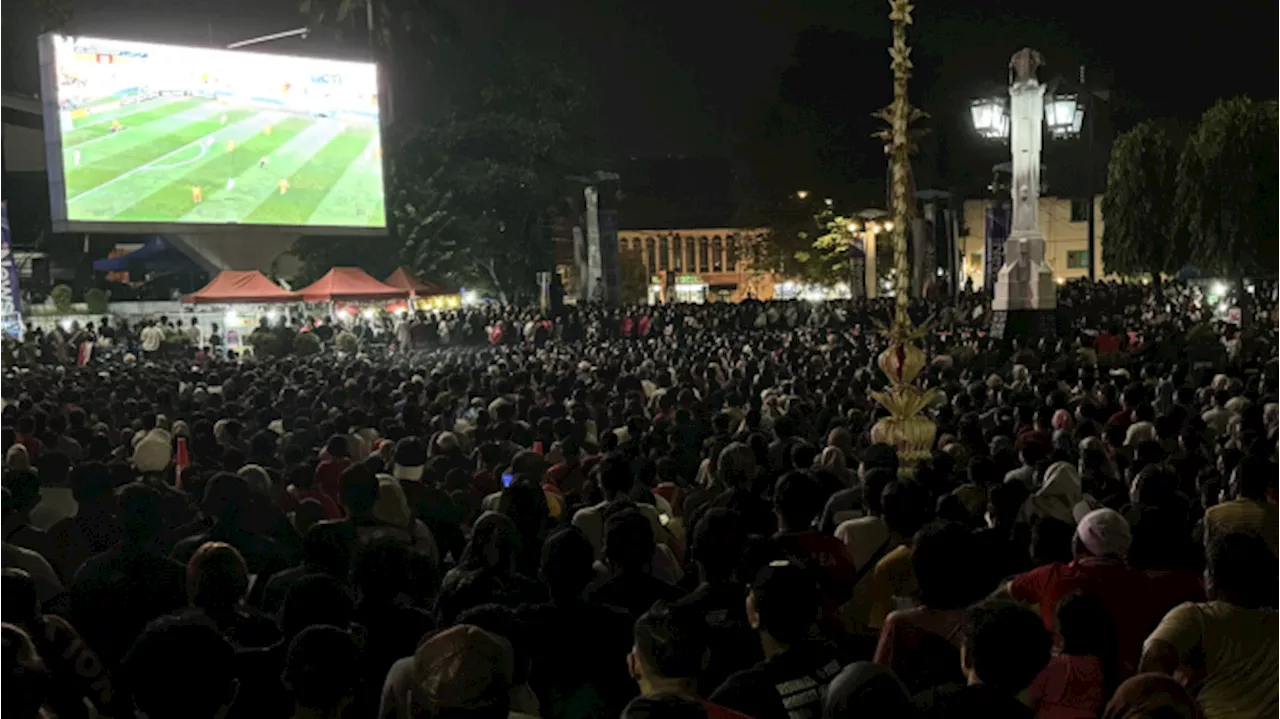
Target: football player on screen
{"x":196,"y":196}
{"x":116,"y":126}
{"x":284,"y":185}
{"x":262,"y":162}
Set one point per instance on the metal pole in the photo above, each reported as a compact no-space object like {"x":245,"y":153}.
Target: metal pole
{"x":1089,"y":107}
{"x":268,"y":38}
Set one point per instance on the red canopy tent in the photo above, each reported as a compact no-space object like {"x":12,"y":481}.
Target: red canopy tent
{"x":349,"y":284}
{"x":232,"y":286}
{"x":404,"y":278}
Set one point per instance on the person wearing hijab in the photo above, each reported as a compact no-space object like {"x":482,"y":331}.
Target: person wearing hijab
{"x":1058,"y":495}
{"x":866,"y":690}
{"x":1152,"y":695}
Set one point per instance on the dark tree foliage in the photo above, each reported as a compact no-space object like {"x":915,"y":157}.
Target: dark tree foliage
{"x":1227,"y":190}
{"x":1138,"y":207}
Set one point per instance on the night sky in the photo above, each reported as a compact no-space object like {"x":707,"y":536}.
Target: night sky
{"x":782,"y":90}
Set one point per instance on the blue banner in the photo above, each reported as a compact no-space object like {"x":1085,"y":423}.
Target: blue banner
{"x":997,"y":234}
{"x":11,"y":312}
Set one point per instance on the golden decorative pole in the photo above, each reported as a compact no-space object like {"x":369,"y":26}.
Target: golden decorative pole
{"x":905,"y":428}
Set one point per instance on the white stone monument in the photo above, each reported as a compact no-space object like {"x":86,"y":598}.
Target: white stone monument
{"x":1025,"y":293}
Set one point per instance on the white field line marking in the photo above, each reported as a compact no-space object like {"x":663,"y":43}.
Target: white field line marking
{"x":204,"y":150}
{"x":139,"y":168}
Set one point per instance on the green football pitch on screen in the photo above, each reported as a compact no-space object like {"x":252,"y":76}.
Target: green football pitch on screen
{"x":213,"y":161}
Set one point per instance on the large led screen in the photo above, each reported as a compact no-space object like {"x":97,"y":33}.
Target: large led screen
{"x":141,"y":134}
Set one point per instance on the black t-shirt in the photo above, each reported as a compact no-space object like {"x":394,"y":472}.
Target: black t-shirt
{"x":963,"y":702}
{"x":635,"y":593}
{"x":733,"y":644}
{"x":791,"y":685}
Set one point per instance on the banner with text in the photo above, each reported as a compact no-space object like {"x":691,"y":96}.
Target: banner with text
{"x":11,"y":313}
{"x":997,"y":234}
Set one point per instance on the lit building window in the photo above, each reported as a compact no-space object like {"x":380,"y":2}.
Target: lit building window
{"x":731,"y":253}
{"x":704,"y":253}
{"x":651,"y":254}
{"x":664,"y":254}
{"x":717,"y":255}
{"x":677,"y":254}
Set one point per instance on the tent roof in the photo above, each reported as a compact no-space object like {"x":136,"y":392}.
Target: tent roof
{"x":404,"y":279}
{"x":240,"y":286}
{"x":349,"y":283}
{"x":157,"y":254}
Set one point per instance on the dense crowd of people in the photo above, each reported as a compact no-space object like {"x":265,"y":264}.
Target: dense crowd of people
{"x":662,"y":512}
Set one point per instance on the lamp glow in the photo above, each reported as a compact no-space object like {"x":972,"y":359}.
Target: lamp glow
{"x":991,"y":117}
{"x":1064,"y":114}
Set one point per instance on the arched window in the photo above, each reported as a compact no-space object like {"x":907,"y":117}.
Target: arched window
{"x":691,"y":253}
{"x":664,"y":255}
{"x":677,"y":253}
{"x":731,"y":253}
{"x":717,"y":255}
{"x":651,"y":254}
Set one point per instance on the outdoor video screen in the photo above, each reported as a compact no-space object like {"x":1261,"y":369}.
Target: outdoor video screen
{"x":146,"y":134}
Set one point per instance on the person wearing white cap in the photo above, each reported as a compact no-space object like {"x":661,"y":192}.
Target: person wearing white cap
{"x":1134,"y":601}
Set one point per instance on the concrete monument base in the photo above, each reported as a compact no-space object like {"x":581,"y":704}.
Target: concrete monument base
{"x":1023,"y":324}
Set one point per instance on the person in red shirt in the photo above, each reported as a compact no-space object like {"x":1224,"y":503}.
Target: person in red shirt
{"x":1133,"y":600}
{"x":26,"y":436}
{"x":302,"y":485}
{"x":334,"y":460}
{"x":667,"y":659}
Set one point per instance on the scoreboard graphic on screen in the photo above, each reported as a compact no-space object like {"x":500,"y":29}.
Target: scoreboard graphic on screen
{"x":141,"y":135}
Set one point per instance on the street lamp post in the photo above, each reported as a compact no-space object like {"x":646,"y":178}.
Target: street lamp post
{"x":1070,"y":115}
{"x":1025,"y":294}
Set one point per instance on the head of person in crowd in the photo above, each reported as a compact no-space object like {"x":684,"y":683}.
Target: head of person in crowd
{"x":358,"y":490}
{"x":628,"y":542}
{"x":316,"y":599}
{"x":874,"y":482}
{"x":878,"y":456}
{"x":181,"y":667}
{"x":507,"y":623}
{"x":321,"y":671}
{"x":669,"y":653}
{"x":1151,"y":695}
{"x":27,"y":680}
{"x":736,"y":467}
{"x":783,"y":605}
{"x":462,"y":671}
{"x":566,"y":564}
{"x":140,"y":514}
{"x":718,"y":543}
{"x":797,"y":500}
{"x":866,"y":690}
{"x":1241,"y":570}
{"x":1252,"y":478}
{"x":940,"y":556}
{"x":905,"y":507}
{"x":217,"y":579}
{"x":1004,"y":647}
{"x":1102,"y":533}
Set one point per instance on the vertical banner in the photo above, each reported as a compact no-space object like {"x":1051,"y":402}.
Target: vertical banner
{"x":595,"y":270}
{"x":610,"y":269}
{"x":544,"y":292}
{"x":997,"y":235}
{"x":857,"y":268}
{"x":11,"y":313}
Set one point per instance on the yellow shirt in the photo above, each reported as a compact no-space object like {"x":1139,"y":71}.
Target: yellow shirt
{"x":1237,"y":650}
{"x":893,"y":577}
{"x":1243,"y":515}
